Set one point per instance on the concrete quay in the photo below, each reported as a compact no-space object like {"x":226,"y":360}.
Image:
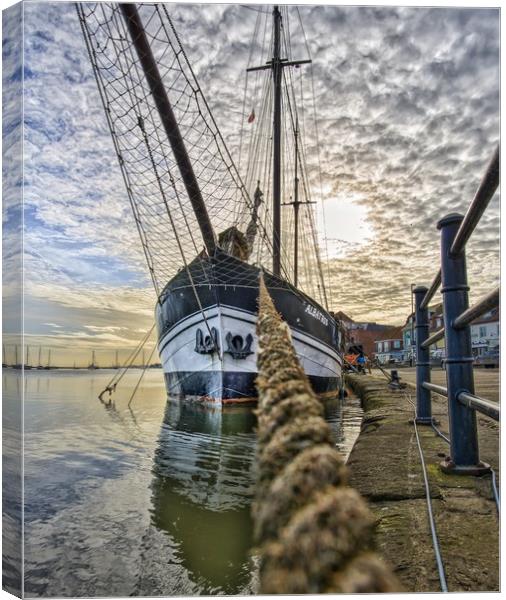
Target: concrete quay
{"x":385,"y":468}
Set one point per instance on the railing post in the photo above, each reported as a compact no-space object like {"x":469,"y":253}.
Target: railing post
{"x":464,"y":453}
{"x":423,"y":402}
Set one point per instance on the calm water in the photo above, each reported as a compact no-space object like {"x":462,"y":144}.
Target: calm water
{"x":151,"y":500}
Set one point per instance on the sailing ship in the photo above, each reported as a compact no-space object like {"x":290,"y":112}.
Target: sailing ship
{"x":205,"y":240}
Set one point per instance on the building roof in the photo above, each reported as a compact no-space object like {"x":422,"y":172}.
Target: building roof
{"x":393,"y":333}
{"x":343,"y":317}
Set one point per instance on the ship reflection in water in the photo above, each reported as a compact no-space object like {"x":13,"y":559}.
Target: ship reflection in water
{"x":149,"y":502}
{"x":202,"y":491}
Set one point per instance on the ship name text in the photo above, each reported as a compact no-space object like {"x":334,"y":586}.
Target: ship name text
{"x":317,"y":314}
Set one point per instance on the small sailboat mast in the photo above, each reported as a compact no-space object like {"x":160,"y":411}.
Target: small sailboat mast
{"x":48,"y":359}
{"x":27,"y":362}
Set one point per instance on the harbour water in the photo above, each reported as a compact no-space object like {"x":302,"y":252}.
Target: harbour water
{"x":152,"y":499}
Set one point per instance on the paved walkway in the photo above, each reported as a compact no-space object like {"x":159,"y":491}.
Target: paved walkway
{"x":385,"y":468}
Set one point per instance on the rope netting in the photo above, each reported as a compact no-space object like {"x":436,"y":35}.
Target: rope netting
{"x":240,"y":211}
{"x":163,"y":213}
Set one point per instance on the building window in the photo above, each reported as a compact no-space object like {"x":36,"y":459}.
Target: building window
{"x":397,"y":344}
{"x":483,"y":331}
{"x":439,"y":323}
{"x":380,"y":346}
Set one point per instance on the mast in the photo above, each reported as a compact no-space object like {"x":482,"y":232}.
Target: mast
{"x":152,"y":74}
{"x":277,"y":64}
{"x":40,"y":351}
{"x":296,"y":204}
{"x":49,"y":358}
{"x":296,"y":207}
{"x":277,"y":71}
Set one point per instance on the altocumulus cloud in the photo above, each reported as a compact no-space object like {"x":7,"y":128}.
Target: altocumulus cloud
{"x":407,"y":104}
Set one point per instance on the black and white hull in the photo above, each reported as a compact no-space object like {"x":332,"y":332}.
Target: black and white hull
{"x":208,"y":346}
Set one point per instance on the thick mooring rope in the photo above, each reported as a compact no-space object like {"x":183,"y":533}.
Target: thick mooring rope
{"x":314,"y":533}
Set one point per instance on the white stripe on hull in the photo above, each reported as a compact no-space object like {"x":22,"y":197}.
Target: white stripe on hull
{"x":177,"y":347}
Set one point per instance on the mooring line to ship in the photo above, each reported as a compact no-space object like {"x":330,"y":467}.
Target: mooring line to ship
{"x":313,"y":531}
{"x":432,"y":523}
{"x":141,"y":377}
{"x":111,"y":386}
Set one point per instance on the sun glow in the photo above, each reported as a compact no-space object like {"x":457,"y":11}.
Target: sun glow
{"x":346,"y":227}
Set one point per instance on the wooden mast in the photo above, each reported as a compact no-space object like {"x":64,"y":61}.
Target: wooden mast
{"x":277,"y":72}
{"x":168,"y":119}
{"x":277,"y":64}
{"x":296,"y":204}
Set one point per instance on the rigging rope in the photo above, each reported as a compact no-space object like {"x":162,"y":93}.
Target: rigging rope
{"x":162,"y":210}
{"x":260,"y":145}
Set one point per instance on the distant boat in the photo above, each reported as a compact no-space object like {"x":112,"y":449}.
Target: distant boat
{"x":27,"y":365}
{"x":39,"y":366}
{"x":48,"y":366}
{"x":16,"y":364}
{"x":93,"y":365}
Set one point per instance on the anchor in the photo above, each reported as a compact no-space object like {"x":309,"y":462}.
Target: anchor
{"x":207,"y":344}
{"x":237,"y":346}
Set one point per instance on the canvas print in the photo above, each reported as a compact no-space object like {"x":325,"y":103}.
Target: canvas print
{"x":251,"y":322}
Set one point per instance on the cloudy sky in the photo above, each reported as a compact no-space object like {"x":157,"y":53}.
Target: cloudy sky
{"x":408,"y":113}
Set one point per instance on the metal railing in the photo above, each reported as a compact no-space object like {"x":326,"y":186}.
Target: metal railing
{"x":452,"y":276}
